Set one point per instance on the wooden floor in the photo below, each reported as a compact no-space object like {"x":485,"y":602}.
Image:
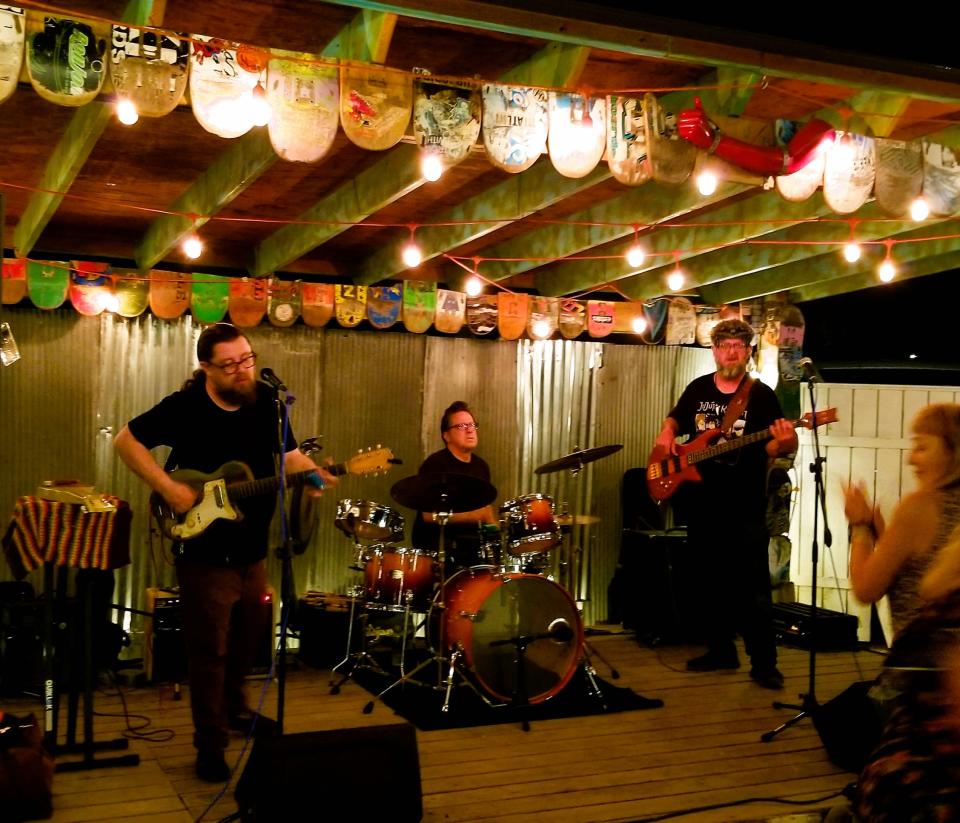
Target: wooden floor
{"x":701,"y":749}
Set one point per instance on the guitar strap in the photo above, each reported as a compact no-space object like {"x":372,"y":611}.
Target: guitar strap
{"x":737,"y":405}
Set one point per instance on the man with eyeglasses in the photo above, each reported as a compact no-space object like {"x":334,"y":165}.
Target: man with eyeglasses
{"x":726,"y":526}
{"x":221,"y":414}
{"x":462,"y":540}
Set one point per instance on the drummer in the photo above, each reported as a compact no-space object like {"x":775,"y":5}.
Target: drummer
{"x":458,"y":428}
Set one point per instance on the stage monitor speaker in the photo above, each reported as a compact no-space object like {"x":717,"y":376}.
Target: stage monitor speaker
{"x":334,"y":769}
{"x":849,"y":726}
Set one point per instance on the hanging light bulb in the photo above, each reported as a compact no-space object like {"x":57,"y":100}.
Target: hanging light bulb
{"x":127,"y":111}
{"x":431,"y":166}
{"x":635,"y":257}
{"x":639,"y":324}
{"x":919,"y":209}
{"x":259,"y":107}
{"x":851,"y":252}
{"x":887,"y":270}
{"x":412,"y":256}
{"x":707,"y":183}
{"x":676,"y":279}
{"x":541,"y":329}
{"x":192,"y":246}
{"x":473,"y":287}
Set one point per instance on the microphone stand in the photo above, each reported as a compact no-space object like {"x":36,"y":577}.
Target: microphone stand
{"x":808,"y":700}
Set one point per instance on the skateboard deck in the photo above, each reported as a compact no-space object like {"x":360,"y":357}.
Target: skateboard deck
{"x":91,"y":287}
{"x":169,"y":293}
{"x":573,"y":318}
{"x":768,"y":347}
{"x":350,"y":303}
{"x":316,"y":303}
{"x":512,"y":310}
{"x":707,"y":318}
{"x":419,"y":305}
{"x":305,"y":102}
{"x":599,"y":317}
{"x":681,"y":322}
{"x":627,"y":140}
{"x":14,"y":283}
{"x":48,"y":284}
{"x":671,"y":159}
{"x":800,"y":185}
{"x":12,"y":37}
{"x":624,"y":316}
{"x":545,"y":312}
{"x":790,"y":343}
{"x":209,"y":297}
{"x":451,"y":311}
{"x":149,"y":68}
{"x":218,"y":86}
{"x":849,"y":172}
{"x":66,"y":59}
{"x":375,"y":106}
{"x":383,"y":305}
{"x":248,"y":301}
{"x":899,"y":175}
{"x":656,"y":313}
{"x":283,"y":302}
{"x":751,"y":313}
{"x":446,"y":118}
{"x":132,"y":292}
{"x":575,"y":140}
{"x":941,"y":179}
{"x":514,"y":126}
{"x":482,"y":314}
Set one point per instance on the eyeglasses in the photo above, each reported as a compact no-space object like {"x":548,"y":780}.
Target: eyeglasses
{"x":731,"y":345}
{"x":464,"y":427}
{"x":233,"y":366}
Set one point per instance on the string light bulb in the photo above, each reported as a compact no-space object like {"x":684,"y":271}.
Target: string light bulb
{"x":540,"y":329}
{"x":127,"y":111}
{"x":192,"y":246}
{"x":676,"y":279}
{"x":259,"y":107}
{"x":635,"y":254}
{"x":919,"y":209}
{"x":431,"y":166}
{"x":473,"y":287}
{"x":707,"y":183}
{"x":639,"y":324}
{"x":852,"y":251}
{"x":887,"y":270}
{"x":412,"y":256}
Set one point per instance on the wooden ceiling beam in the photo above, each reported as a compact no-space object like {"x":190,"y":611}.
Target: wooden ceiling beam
{"x":393,"y":176}
{"x":367,"y":37}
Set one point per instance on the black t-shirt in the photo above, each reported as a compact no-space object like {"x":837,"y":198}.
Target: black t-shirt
{"x":203,"y":437}
{"x":426,"y":536}
{"x":734,"y":484}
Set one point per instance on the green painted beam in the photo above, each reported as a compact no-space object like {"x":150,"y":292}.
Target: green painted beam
{"x":71,"y":153}
{"x":395,"y":175}
{"x":647,"y":36}
{"x":736,"y":88}
{"x":879,"y":111}
{"x":366,"y":37}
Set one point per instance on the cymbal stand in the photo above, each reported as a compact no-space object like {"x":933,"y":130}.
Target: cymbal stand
{"x":359,"y":658}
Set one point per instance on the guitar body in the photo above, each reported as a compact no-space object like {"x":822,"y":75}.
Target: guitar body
{"x":213,"y":502}
{"x":666,"y":472}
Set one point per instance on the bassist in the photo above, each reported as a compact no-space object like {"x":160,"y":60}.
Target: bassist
{"x":726,"y":527}
{"x":222,"y":413}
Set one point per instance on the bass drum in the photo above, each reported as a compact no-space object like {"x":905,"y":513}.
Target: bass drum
{"x":487,"y":610}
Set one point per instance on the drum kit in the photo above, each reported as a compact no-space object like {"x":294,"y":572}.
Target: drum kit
{"x":510,"y":632}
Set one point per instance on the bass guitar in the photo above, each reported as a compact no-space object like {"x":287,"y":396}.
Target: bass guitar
{"x":666,"y":471}
{"x":219,"y":491}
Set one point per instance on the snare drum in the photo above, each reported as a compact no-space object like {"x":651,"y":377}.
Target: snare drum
{"x":366,"y":520}
{"x":393,"y":576}
{"x":531,"y":527}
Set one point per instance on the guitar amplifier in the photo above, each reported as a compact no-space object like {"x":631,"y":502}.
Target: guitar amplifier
{"x":833,"y":631}
{"x":324,"y":623}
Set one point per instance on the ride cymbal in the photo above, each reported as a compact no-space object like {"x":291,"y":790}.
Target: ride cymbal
{"x":578,"y":459}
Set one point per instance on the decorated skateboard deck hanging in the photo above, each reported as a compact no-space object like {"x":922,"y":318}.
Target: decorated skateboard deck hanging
{"x":12,"y":36}
{"x":305,"y":99}
{"x":283,"y":302}
{"x":482,"y":314}
{"x":627,"y":140}
{"x":209,"y":297}
{"x":599,"y":317}
{"x":169,"y":293}
{"x":375,"y":105}
{"x":655,"y":313}
{"x":149,"y":69}
{"x":789,"y":355}
{"x":451,"y":311}
{"x":248,"y":301}
{"x":419,"y":305}
{"x":316,"y":303}
{"x":446,"y":118}
{"x":577,"y":132}
{"x":573,"y":318}
{"x":48,"y":284}
{"x":941,"y":179}
{"x":132,"y":292}
{"x":514,"y":126}
{"x":899,"y":177}
{"x":681,"y":322}
{"x":66,"y":59}
{"x":383,"y":305}
{"x":14,"y":283}
{"x":544,"y":316}
{"x":91,"y":287}
{"x":671,"y":159}
{"x":350,"y":303}
{"x":626,"y":316}
{"x":707,"y":318}
{"x":849,"y":172}
{"x":800,"y":184}
{"x":512,"y":311}
{"x":221,"y":89}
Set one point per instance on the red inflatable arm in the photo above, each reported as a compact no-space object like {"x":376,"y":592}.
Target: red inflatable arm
{"x":694,"y":126}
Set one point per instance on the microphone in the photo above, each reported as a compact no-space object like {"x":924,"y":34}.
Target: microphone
{"x":810,"y":372}
{"x":268,"y":377}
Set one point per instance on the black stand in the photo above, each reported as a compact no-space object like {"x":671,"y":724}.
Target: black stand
{"x":808,"y":700}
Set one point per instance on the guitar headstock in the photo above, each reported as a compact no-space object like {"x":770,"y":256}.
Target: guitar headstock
{"x":370,"y":461}
{"x":824,"y":416}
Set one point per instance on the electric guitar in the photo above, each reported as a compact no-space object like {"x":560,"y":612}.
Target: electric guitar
{"x":233,"y":481}
{"x":666,"y":472}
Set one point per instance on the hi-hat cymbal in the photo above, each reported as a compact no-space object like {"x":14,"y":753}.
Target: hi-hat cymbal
{"x":578,"y":459}
{"x":443,"y":492}
{"x":577,"y":519}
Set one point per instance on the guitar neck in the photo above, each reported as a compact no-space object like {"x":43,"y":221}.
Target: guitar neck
{"x":268,"y":485}
{"x":732,"y":445}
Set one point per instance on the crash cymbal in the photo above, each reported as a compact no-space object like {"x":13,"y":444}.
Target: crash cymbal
{"x":576,"y":519}
{"x":443,"y":492}
{"x":578,"y":459}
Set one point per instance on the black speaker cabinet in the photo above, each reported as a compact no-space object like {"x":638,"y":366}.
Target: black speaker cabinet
{"x":849,"y":726}
{"x":286,"y":775}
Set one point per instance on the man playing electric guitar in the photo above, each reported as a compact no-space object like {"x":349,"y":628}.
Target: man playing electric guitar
{"x":726,"y":522}
{"x":221,"y":414}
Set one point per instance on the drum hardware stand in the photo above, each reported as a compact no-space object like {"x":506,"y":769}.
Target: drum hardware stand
{"x":358,"y":658}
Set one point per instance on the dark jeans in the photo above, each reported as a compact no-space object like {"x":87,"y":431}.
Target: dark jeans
{"x":223,"y":620}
